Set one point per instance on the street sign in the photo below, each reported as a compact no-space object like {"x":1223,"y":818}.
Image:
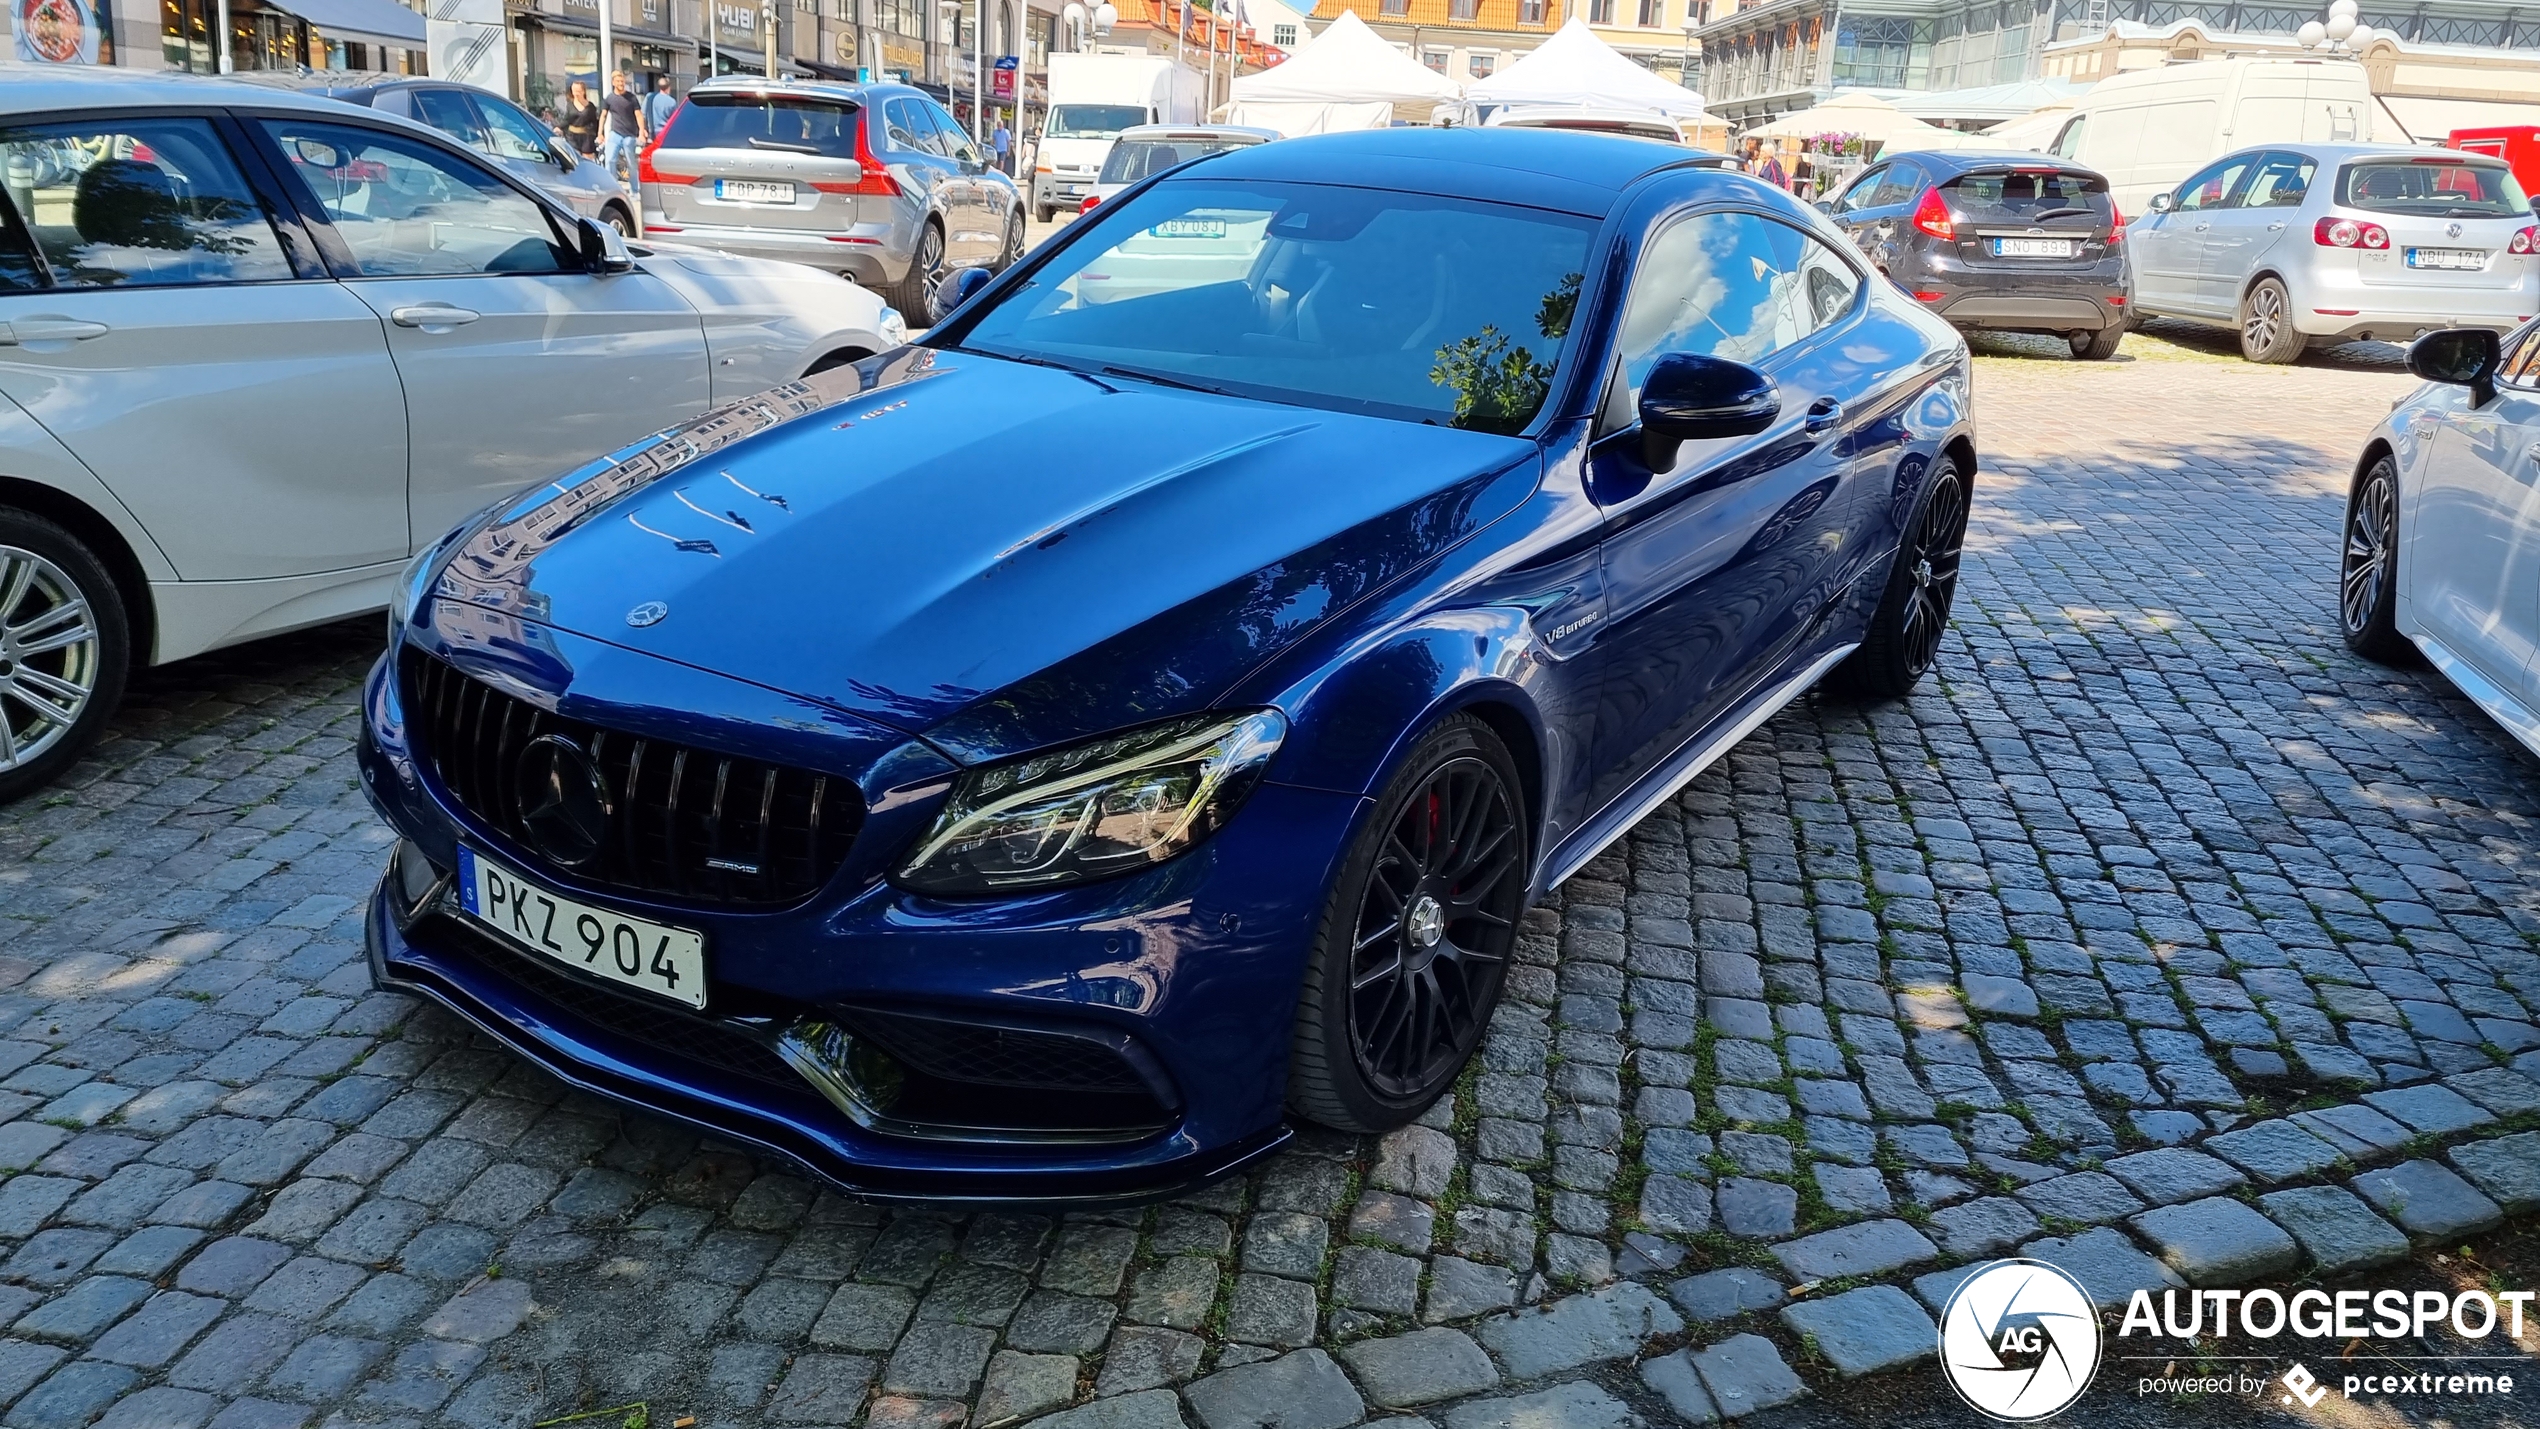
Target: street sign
{"x":1001,"y":86}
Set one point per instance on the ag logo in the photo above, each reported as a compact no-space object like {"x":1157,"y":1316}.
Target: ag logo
{"x":2019,"y":1341}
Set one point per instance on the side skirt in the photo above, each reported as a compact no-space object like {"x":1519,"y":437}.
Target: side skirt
{"x":1681,"y":768}
{"x":2519,"y":719}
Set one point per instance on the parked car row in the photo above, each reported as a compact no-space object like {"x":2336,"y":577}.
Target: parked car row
{"x":2290,"y":245}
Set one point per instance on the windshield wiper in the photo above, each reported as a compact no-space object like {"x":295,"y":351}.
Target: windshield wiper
{"x":782,"y":147}
{"x":2061,"y":212}
{"x":1030,"y":361}
{"x":1162,"y":381}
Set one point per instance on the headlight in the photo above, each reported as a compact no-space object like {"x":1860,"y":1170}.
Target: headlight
{"x":894,"y":328}
{"x":401,"y":599}
{"x":1110,"y":806}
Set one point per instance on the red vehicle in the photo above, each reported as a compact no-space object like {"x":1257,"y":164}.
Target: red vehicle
{"x":2517,"y":144}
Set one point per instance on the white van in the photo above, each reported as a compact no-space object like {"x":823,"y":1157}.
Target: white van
{"x":2148,"y":129}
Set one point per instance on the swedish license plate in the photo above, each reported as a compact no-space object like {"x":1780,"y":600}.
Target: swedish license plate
{"x":2032,"y":248}
{"x":659,"y":959}
{"x":1190,"y":228}
{"x":749,"y":191}
{"x":2468,"y":260}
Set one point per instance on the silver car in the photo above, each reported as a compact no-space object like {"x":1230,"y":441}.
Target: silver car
{"x":874,"y":181}
{"x":498,"y":129}
{"x":1152,"y":148}
{"x":2301,"y":243}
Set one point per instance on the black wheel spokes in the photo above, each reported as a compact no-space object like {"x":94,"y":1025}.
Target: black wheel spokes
{"x":1938,"y":549}
{"x":2367,"y":562}
{"x":1420,"y":990}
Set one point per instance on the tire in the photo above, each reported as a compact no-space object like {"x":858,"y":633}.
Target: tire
{"x":1042,"y":213}
{"x":1012,"y":253}
{"x":2098,"y":346}
{"x":1414,"y":945}
{"x":2368,"y":569}
{"x":616,"y":216}
{"x":1905,"y":632}
{"x":2267,"y":333}
{"x":917,"y":294}
{"x":55,"y":700}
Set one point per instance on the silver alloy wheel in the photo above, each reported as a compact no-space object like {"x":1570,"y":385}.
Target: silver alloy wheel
{"x":2265,"y":321}
{"x":50,"y":656}
{"x":2369,"y":533}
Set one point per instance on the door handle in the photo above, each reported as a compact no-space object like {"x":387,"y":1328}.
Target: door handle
{"x":1823,"y":413}
{"x":2203,"y":226}
{"x":2275,"y":228}
{"x":50,"y":329}
{"x":432,"y":315}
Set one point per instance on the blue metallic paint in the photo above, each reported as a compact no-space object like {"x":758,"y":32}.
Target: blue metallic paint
{"x":869,"y":574}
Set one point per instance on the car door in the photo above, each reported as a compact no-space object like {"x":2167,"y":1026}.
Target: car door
{"x":2472,"y":552}
{"x":2169,"y":247}
{"x":1876,"y":205}
{"x":194,"y":354}
{"x":2250,"y":225}
{"x":1712,"y":562}
{"x":518,"y":362}
{"x":968,"y":238}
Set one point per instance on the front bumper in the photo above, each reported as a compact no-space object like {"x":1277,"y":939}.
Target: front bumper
{"x":1195,"y":964}
{"x":1062,"y":190}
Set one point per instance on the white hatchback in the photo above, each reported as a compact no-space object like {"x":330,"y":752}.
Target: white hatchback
{"x":2442,"y":550}
{"x":257,"y":348}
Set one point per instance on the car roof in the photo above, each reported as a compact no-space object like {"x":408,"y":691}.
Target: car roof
{"x":49,"y":89}
{"x":2338,"y":153}
{"x":847,"y":90}
{"x":1962,"y":160}
{"x":1198,"y":131}
{"x":1566,"y":169}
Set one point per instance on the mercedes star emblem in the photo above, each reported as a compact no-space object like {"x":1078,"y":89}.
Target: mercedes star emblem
{"x":650,"y":612}
{"x":564,"y":803}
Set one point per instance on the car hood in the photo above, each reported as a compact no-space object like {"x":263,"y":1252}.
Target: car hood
{"x":992,"y":555}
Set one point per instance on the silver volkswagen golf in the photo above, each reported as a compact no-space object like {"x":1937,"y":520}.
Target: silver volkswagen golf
{"x":2296,"y":244}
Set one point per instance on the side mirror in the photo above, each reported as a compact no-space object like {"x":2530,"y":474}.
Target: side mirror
{"x":2163,"y":203}
{"x":1825,"y":205}
{"x":967,"y":283}
{"x":603,"y":248}
{"x":1687,"y":398}
{"x":2460,"y":356}
{"x":563,"y":154}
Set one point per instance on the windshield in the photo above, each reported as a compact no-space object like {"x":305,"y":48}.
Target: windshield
{"x":2030,"y":197}
{"x":1134,"y":159}
{"x":777,"y":123}
{"x":1409,"y":306}
{"x":1093,"y":121}
{"x":2431,"y":188}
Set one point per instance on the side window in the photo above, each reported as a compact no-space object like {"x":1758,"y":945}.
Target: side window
{"x":2281,"y":181}
{"x":2521,"y":365}
{"x":950,"y":139}
{"x":407,"y":209}
{"x":1862,"y":193}
{"x":1732,"y":285}
{"x":21,"y":270}
{"x":448,"y":111}
{"x":1903,"y":184}
{"x":2068,"y":143}
{"x":908,"y":127}
{"x":2213,"y":187}
{"x":139,"y":203}
{"x":512,"y":134}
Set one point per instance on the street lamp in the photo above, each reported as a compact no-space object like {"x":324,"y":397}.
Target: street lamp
{"x":1688,"y":70}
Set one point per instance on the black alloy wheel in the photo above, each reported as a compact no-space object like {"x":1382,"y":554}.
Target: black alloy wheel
{"x":1416,"y":942}
{"x":922,"y":290}
{"x":2368,"y":570}
{"x":1012,"y":253}
{"x":1904,"y":637}
{"x":617,"y":217}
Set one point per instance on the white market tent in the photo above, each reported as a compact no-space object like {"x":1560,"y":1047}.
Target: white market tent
{"x":1344,"y":78}
{"x":1574,"y":67}
{"x":1861,"y":115}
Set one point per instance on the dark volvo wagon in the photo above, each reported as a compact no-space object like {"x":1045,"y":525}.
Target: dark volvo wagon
{"x":1036,"y":762}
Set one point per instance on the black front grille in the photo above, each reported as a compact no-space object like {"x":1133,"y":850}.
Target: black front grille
{"x":682,"y":823}
{"x":999,"y":1056}
{"x":696,"y":1039}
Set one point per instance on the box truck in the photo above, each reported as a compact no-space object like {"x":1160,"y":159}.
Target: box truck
{"x":1092,"y":98}
{"x":2147,"y":129}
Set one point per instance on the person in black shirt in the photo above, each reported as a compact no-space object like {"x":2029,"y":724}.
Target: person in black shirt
{"x":626,"y":134}
{"x":581,"y":120}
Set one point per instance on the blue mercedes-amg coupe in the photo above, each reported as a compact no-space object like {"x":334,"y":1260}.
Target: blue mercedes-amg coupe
{"x":1034,"y":763}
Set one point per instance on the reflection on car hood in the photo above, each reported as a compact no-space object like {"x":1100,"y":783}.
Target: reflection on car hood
{"x":991,"y":554}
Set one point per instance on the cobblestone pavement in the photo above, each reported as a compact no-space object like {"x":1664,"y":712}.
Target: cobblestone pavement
{"x":2157,"y":934}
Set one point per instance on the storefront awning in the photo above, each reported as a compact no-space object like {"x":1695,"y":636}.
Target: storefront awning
{"x":366,"y":22}
{"x":567,"y":24}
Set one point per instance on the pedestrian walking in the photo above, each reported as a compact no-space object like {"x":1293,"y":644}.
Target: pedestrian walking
{"x":1002,"y":141}
{"x":658,"y":105}
{"x":626,"y":131}
{"x":1759,"y":161}
{"x":581,"y":126}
